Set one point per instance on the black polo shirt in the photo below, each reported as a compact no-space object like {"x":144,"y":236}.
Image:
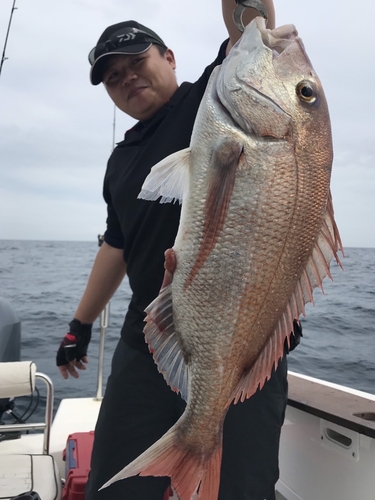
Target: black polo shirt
{"x":145,"y":229}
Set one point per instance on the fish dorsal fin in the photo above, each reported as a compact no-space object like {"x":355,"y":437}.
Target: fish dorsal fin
{"x":163,"y":343}
{"x":168,"y":179}
{"x":327,"y":246}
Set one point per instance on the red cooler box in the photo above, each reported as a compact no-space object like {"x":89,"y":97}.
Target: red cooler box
{"x":77,"y":455}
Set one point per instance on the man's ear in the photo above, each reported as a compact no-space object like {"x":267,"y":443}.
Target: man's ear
{"x":170,"y":58}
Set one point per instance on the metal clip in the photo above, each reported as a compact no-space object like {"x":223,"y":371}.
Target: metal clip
{"x":244,"y":4}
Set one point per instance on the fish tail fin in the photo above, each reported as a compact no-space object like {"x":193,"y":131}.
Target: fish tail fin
{"x":209,"y":487}
{"x":167,"y":457}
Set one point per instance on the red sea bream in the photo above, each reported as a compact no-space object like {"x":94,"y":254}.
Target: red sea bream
{"x":256,"y":236}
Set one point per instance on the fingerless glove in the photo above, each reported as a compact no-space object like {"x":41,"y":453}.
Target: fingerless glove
{"x":75,"y":343}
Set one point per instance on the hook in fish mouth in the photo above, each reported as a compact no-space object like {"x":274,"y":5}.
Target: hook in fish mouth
{"x":244,"y":4}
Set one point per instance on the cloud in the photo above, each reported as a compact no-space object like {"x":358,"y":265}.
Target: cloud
{"x":56,"y":129}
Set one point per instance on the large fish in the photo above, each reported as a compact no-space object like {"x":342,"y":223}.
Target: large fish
{"x":256,"y":236}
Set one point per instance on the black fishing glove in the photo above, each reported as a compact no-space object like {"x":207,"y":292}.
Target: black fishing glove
{"x":75,"y":343}
{"x":295,"y":337}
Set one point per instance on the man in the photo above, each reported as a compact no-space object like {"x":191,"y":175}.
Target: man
{"x":137,"y":69}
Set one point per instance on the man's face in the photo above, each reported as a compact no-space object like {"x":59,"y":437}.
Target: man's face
{"x":141,"y":84}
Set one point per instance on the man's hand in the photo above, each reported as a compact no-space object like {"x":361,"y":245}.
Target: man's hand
{"x":295,"y":337}
{"x":170,"y":264}
{"x":228,"y":6}
{"x":72,"y":352}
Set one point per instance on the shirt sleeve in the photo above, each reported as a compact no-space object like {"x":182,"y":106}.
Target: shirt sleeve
{"x":113,"y":235}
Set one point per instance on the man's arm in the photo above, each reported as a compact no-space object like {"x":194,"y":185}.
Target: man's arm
{"x":228,"y":7}
{"x":106,"y":275}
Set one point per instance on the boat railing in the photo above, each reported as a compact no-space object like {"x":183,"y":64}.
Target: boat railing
{"x":104,"y":320}
{"x":46,"y":425}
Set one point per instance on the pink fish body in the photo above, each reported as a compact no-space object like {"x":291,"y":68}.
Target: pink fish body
{"x":256,"y":236}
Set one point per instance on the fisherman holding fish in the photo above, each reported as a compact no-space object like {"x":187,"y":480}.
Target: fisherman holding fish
{"x":138,"y":71}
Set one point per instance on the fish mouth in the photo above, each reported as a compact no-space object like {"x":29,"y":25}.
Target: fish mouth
{"x":278,"y":39}
{"x":254,"y":84}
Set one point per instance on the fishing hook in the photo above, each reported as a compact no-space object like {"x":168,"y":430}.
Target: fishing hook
{"x":244,"y":4}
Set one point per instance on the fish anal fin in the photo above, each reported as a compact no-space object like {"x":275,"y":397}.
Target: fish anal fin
{"x":163,"y":342}
{"x":222,"y":173}
{"x":168,"y":179}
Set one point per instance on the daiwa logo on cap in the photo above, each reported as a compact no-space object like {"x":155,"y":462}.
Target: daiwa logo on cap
{"x":125,"y":37}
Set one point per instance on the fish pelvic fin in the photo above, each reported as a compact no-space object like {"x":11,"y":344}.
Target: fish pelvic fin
{"x":163,"y":342}
{"x":167,"y":457}
{"x":168,"y":179}
{"x":327,"y":246}
{"x":222,"y":175}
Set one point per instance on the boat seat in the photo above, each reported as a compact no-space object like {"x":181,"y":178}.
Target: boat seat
{"x":21,"y":472}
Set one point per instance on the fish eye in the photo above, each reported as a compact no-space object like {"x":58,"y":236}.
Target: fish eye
{"x":306,"y":92}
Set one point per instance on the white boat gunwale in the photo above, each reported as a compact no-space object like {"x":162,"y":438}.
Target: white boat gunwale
{"x":354,"y":410}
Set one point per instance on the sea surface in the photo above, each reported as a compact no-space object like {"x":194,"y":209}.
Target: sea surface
{"x":44,"y":280}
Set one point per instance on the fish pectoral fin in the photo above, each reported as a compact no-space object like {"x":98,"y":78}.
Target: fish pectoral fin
{"x":226,"y":156}
{"x":168,"y":179}
{"x":163,"y":342}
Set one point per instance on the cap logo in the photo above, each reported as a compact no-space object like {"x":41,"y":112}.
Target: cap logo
{"x":130,"y":35}
{"x":126,"y":37}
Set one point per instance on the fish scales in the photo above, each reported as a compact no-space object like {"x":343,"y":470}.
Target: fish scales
{"x":256,"y":236}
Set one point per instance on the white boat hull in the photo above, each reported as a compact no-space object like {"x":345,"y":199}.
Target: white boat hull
{"x":321,"y":459}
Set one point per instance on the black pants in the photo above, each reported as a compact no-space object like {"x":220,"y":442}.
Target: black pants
{"x":139,"y":407}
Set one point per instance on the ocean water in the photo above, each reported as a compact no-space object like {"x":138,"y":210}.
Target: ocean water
{"x":44,"y":280}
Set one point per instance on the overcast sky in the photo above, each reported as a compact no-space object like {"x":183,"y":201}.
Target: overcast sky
{"x":56,"y":128}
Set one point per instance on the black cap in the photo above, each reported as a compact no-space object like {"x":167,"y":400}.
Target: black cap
{"x":128,"y":37}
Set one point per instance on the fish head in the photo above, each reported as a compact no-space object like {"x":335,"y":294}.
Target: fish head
{"x":270,"y":89}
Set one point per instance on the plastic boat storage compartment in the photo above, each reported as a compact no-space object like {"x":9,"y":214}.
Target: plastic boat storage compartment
{"x":77,"y":455}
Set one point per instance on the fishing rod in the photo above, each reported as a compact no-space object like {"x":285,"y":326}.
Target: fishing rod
{"x":104,"y":315}
{"x":3,"y":58}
